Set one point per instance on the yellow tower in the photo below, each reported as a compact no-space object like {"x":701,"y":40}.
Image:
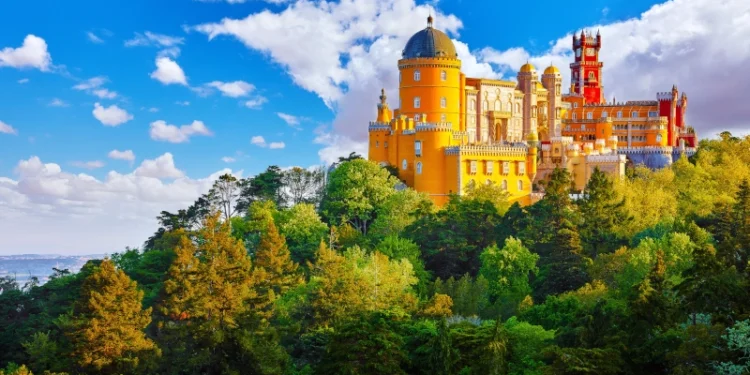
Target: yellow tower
{"x":430,"y":78}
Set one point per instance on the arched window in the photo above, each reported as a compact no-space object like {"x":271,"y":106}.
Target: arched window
{"x":518,"y":108}
{"x":419,"y":167}
{"x":417,"y":102}
{"x":504,"y":185}
{"x":404,"y":164}
{"x":619,"y":114}
{"x":498,"y":106}
{"x":377,"y":144}
{"x":486,"y":105}
{"x":575,"y":105}
{"x":416,"y":118}
{"x":443,"y":75}
{"x":583,"y":126}
{"x":658,"y":138}
{"x":574,"y":116}
{"x":590,"y":115}
{"x":604,"y":114}
{"x":634,"y":114}
{"x":443,"y":102}
{"x":592,"y":77}
{"x":417,"y":75}
{"x":473,"y":104}
{"x":520,"y":185}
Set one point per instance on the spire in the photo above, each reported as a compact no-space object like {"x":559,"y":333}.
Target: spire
{"x":382,"y":96}
{"x":429,"y":20}
{"x":597,"y":32}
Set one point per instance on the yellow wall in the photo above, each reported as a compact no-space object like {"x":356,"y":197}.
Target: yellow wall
{"x":431,"y":88}
{"x":497,"y":176}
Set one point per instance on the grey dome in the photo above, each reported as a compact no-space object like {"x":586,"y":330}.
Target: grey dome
{"x":429,"y":42}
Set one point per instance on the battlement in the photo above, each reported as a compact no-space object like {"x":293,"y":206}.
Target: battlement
{"x":379,"y":126}
{"x":646,"y":150}
{"x":664,"y":96}
{"x":515,"y":149}
{"x":609,"y":158}
{"x":433,"y":126}
{"x":561,"y":139}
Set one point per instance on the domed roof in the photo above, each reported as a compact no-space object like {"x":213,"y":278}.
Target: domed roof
{"x":429,"y":42}
{"x":551,"y":70}
{"x":527,"y":68}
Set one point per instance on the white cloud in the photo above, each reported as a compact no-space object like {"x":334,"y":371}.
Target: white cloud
{"x":153,"y":109}
{"x":184,"y":104}
{"x":153,"y":40}
{"x":23,"y":80}
{"x":161,"y":167}
{"x":32,"y":54}
{"x":168,"y":72}
{"x":122,"y":155}
{"x":290,"y":120}
{"x":81,"y":214}
{"x":258,"y":140}
{"x":256,"y":103}
{"x":234,"y":89}
{"x":161,"y":131}
{"x":228,"y":159}
{"x":112,"y":115}
{"x":94,"y":87}
{"x":93,"y":38}
{"x":94,"y":164}
{"x":276,"y":145}
{"x":7,"y":129}
{"x":56,"y":102}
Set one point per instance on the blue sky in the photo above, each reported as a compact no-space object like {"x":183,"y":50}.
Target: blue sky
{"x":311,"y":72}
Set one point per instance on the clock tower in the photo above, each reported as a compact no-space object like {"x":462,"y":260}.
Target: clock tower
{"x":586,"y":70}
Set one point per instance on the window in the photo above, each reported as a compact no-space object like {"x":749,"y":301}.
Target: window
{"x":521,"y":167}
{"x":634,"y":114}
{"x":377,"y":144}
{"x":590,"y":115}
{"x":418,"y":148}
{"x":385,"y":144}
{"x":473,"y":167}
{"x":419,"y":167}
{"x":442,"y":118}
{"x":443,"y":75}
{"x":404,"y":164}
{"x":485,"y":106}
{"x":518,"y":107}
{"x":506,"y":167}
{"x":473,"y":120}
{"x":488,"y":166}
{"x":399,"y":76}
{"x":574,"y":116}
{"x":619,"y":114}
{"x":658,"y":138}
{"x":504,"y":185}
{"x":416,"y":118}
{"x":417,"y":75}
{"x":653,"y":114}
{"x":583,"y":126}
{"x":557,"y":112}
{"x":473,"y":104}
{"x":591,"y":76}
{"x":520,"y":185}
{"x":498,"y":106}
{"x":417,"y":102}
{"x":604,"y":114}
{"x":575,"y":105}
{"x":443,"y":102}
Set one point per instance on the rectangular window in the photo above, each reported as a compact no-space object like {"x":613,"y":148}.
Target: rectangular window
{"x":418,"y":148}
{"x":473,"y":167}
{"x":619,"y":114}
{"x":377,"y":144}
{"x":416,"y":118}
{"x":634,"y":114}
{"x":653,"y":114}
{"x":442,"y":118}
{"x":417,"y":102}
{"x":443,"y":75}
{"x":385,"y":144}
{"x":506,"y":167}
{"x":521,"y":167}
{"x":443,"y":102}
{"x":489,"y":166}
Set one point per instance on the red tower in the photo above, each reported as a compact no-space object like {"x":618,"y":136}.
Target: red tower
{"x":586,"y":70}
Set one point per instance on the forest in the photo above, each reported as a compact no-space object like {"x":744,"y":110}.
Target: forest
{"x":302,"y":271}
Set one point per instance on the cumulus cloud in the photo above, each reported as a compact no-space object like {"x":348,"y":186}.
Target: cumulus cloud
{"x":31,"y":54}
{"x":122,"y":155}
{"x":228,"y":159}
{"x":77,"y":212}
{"x":258,"y":140}
{"x":112,"y":115}
{"x":161,"y":131}
{"x":290,"y":120}
{"x":94,"y":87}
{"x":23,"y":80}
{"x":94,"y":164}
{"x":276,"y":145}
{"x":168,"y":72}
{"x":183,"y":103}
{"x":234,"y":89}
{"x":7,"y":129}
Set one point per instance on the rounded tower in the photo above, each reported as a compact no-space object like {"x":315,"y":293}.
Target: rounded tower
{"x":430,"y":78}
{"x":552,"y":81}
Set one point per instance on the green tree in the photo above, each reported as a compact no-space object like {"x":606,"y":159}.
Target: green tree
{"x":602,"y":211}
{"x":303,"y":185}
{"x":507,"y":270}
{"x":275,"y":271}
{"x":303,"y":229}
{"x":490,"y":192}
{"x":109,"y":320}
{"x":355,"y":191}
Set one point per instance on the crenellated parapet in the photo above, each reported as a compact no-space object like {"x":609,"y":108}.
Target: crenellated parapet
{"x":605,"y":159}
{"x":379,"y":126}
{"x":517,"y":150}
{"x":664,"y":96}
{"x":646,"y":150}
{"x":434,"y":126}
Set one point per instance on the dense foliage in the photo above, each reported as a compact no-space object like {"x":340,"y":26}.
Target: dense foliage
{"x":284,"y":273}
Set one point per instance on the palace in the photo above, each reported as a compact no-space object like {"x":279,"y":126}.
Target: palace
{"x":451,"y":131}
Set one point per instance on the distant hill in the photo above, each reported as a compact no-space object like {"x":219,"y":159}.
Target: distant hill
{"x":25,"y":266}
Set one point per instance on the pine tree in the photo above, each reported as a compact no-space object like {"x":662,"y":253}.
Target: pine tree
{"x":442,"y":356}
{"x":109,"y":323}
{"x":601,"y":212}
{"x":742,"y":231}
{"x":279,"y":272}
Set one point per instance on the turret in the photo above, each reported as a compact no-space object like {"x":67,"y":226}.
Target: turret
{"x":384,"y":113}
{"x":532,"y":139}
